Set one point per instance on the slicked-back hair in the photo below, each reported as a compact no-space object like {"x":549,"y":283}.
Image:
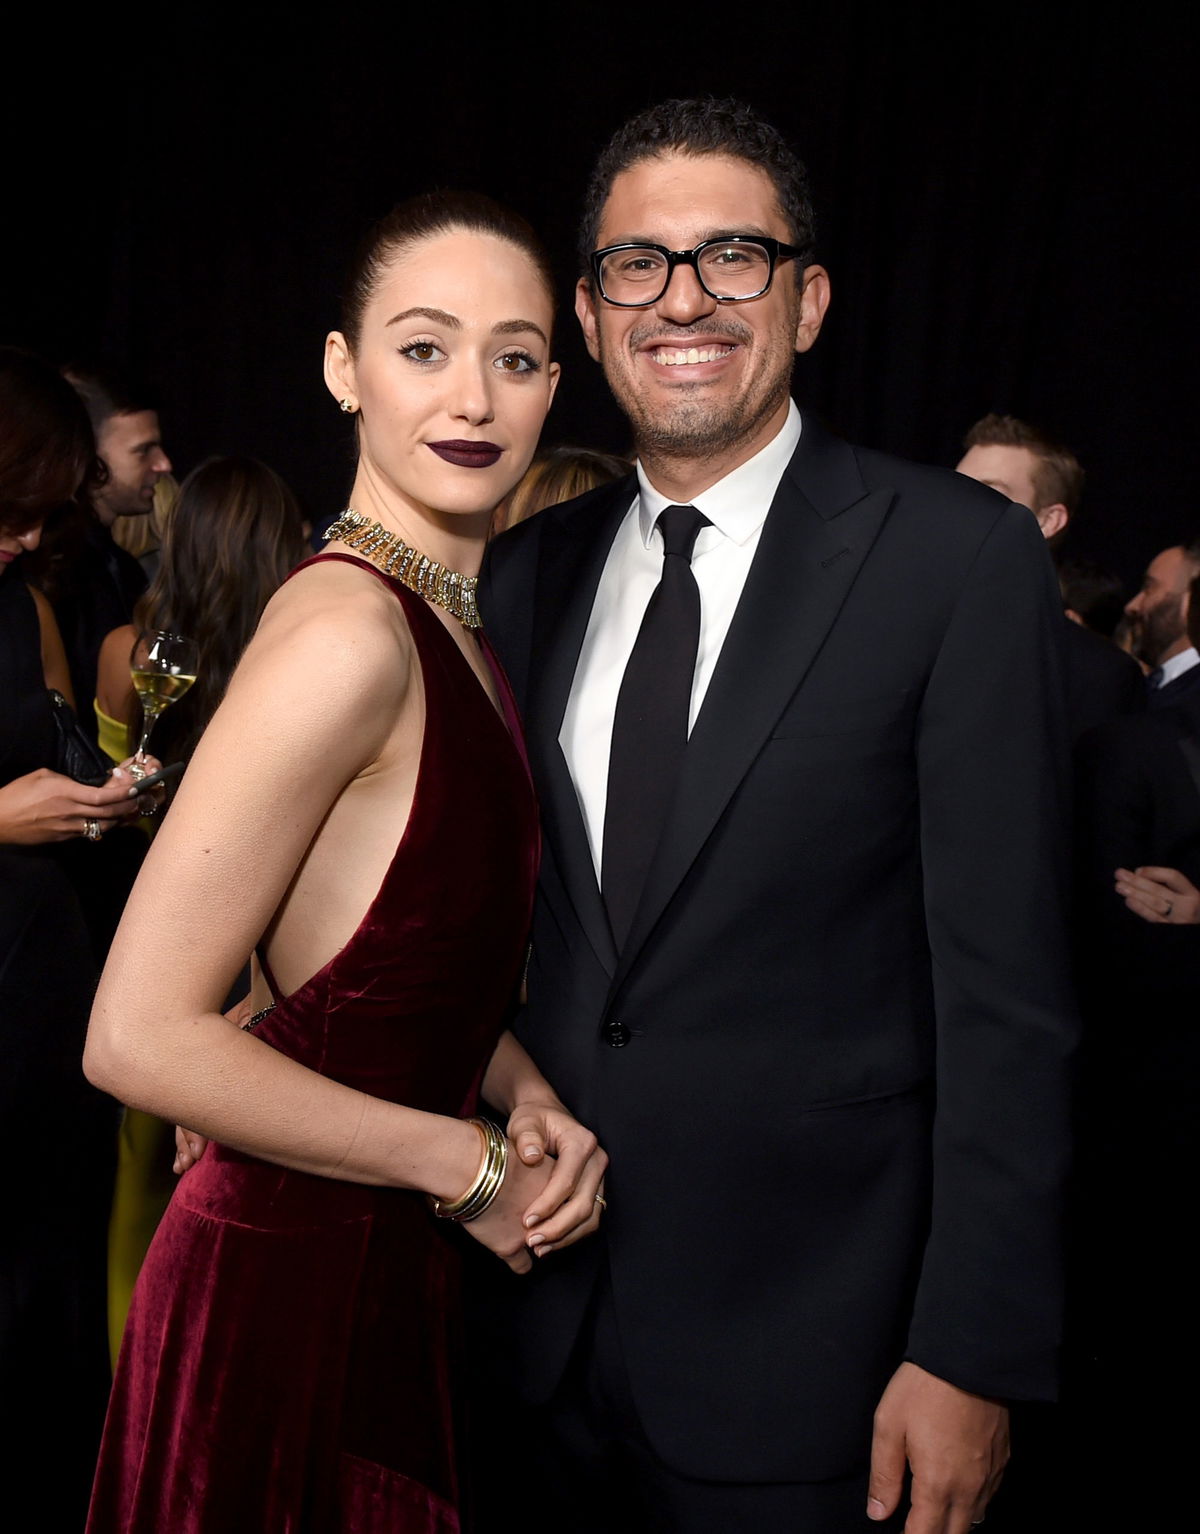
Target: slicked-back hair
{"x":1057,"y":475}
{"x":106,"y":393}
{"x":423,"y":217}
{"x":706,"y":125}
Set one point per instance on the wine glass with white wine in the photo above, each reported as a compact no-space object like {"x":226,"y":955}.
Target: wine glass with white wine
{"x":163,"y":667}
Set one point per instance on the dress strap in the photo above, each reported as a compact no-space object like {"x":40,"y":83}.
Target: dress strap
{"x":260,"y":953}
{"x":346,"y":559}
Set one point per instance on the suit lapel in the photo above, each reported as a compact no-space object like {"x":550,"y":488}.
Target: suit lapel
{"x":821,"y":526}
{"x":573,"y":553}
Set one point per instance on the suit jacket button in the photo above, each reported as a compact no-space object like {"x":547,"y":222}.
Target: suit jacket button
{"x":616,"y":1035}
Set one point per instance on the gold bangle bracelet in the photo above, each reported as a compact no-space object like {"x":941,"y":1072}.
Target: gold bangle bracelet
{"x":487,"y":1181}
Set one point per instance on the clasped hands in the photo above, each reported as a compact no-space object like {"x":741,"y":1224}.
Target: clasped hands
{"x":551,"y":1196}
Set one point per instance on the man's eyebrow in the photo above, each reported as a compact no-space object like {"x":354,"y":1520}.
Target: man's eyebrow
{"x":438,"y":316}
{"x":518,"y":327}
{"x":744,"y":231}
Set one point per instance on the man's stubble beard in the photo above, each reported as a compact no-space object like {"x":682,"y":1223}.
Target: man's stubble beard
{"x":1158,"y":630}
{"x":694,"y":431}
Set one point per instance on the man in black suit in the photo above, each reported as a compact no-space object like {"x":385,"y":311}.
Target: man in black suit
{"x":798,"y":956}
{"x":1159,"y":616}
{"x":1028,"y":467}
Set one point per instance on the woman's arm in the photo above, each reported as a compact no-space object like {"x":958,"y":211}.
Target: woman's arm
{"x":114,"y":683}
{"x":54,"y":655}
{"x":311,"y":707}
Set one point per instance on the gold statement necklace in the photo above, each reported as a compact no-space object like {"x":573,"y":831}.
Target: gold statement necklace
{"x":434,"y":582}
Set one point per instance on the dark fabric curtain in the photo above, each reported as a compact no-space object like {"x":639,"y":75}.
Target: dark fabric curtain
{"x":1005,"y":199}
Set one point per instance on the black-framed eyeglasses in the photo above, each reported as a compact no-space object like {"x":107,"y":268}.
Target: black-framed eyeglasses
{"x":731,"y":270}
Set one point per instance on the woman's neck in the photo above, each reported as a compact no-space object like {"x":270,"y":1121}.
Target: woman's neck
{"x":454,"y":539}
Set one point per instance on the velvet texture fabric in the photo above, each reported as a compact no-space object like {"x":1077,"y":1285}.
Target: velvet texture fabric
{"x":289,"y":1358}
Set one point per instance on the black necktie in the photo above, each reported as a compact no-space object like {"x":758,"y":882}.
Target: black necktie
{"x":650,"y":727}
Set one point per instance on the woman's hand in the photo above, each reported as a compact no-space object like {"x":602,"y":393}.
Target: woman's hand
{"x":189,"y":1147}
{"x":570,"y":1205}
{"x":46,"y":806}
{"x":1160,"y":895}
{"x":501,"y":1227}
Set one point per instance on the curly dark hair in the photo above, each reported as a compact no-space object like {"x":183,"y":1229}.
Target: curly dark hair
{"x":707,"y":125}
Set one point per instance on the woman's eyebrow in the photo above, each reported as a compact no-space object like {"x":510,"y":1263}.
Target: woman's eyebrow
{"x":439,"y":317}
{"x":517,"y":327}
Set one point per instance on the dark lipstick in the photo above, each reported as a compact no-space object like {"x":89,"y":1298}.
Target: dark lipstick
{"x":468,"y":455}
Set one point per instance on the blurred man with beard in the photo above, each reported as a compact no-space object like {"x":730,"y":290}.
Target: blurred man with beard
{"x":1159,"y":617}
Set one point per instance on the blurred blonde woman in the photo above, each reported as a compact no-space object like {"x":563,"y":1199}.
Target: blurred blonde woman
{"x":558,"y":474}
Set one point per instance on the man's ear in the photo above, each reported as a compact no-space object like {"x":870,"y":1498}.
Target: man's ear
{"x":1053,"y":519}
{"x":585,"y":312}
{"x":814,"y":300}
{"x":339,"y":368}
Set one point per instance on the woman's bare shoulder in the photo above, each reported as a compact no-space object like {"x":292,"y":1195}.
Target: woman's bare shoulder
{"x":117,"y":644}
{"x":340,"y":631}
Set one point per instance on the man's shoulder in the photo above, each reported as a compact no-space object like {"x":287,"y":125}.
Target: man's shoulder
{"x":1098,"y":656}
{"x":942,"y":491}
{"x":934,"y":500}
{"x":1134,"y":740}
{"x":575,"y":518}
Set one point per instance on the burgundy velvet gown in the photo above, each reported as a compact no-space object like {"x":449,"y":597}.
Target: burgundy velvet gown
{"x":288,"y":1361}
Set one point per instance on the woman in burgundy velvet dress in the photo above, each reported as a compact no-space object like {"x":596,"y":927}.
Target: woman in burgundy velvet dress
{"x":288,"y":1362}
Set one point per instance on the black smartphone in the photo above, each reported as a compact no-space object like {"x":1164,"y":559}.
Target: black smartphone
{"x":152,"y":780}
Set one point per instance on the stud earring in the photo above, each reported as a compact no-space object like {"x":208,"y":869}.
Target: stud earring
{"x":349,"y":406}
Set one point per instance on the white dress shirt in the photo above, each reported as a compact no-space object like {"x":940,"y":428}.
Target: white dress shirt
{"x":737,"y":507}
{"x":1176,"y":666}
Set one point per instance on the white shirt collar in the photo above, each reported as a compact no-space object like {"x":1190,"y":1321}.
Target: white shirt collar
{"x":738,"y":504}
{"x":1178,"y":664}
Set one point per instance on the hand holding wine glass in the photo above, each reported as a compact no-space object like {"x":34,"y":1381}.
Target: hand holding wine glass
{"x":163,"y":667}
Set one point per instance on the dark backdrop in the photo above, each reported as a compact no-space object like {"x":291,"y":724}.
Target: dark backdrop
{"x":1005,"y":205}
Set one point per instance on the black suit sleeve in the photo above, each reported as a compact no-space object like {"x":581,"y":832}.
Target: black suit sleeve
{"x":992,"y":774}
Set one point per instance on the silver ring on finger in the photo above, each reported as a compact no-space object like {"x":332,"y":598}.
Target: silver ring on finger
{"x":91,"y":829}
{"x":136,"y":771}
{"x":1167,"y":912}
{"x":601,"y":1200}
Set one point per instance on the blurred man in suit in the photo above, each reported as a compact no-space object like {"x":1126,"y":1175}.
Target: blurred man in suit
{"x":1030,"y":468}
{"x":1159,"y":616}
{"x":1138,"y":832}
{"x":793,"y":712}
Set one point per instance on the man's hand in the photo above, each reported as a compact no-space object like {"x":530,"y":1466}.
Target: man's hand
{"x":955,"y":1443}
